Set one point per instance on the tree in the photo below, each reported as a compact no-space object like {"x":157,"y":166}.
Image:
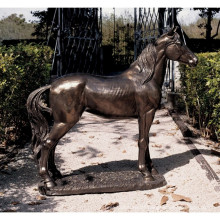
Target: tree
{"x":208,"y":14}
{"x":15,"y":27}
{"x":45,"y":21}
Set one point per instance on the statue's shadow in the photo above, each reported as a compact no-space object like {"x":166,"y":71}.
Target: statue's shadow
{"x":162,"y":164}
{"x":111,"y":166}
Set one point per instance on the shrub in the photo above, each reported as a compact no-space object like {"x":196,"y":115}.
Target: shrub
{"x":23,"y":68}
{"x":201,"y":89}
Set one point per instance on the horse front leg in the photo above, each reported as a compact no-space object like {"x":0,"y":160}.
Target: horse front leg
{"x":144,"y":160}
{"x":149,"y":120}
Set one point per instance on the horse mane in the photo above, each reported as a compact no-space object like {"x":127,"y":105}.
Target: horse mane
{"x":146,"y":61}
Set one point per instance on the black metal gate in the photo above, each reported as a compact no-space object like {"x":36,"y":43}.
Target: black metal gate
{"x":78,"y":41}
{"x":150,"y":23}
{"x":79,"y":36}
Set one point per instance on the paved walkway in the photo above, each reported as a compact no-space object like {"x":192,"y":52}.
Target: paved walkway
{"x":95,"y":141}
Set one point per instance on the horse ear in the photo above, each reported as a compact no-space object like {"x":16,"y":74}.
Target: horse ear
{"x":172,"y":31}
{"x":175,"y":29}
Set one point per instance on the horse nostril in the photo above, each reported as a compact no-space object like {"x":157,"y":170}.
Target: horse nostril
{"x":195,"y":60}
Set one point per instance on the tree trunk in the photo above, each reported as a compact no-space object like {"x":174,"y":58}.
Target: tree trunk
{"x":208,"y":25}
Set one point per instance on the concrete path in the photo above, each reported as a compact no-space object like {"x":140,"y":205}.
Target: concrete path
{"x":95,"y":141}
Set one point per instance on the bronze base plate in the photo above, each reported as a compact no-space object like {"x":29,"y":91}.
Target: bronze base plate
{"x":103,"y":182}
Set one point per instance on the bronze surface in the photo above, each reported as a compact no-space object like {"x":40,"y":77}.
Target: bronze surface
{"x":135,"y":92}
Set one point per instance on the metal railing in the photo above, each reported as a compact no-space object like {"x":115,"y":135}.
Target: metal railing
{"x":78,"y":46}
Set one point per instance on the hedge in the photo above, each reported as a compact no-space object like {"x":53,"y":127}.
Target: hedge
{"x":23,"y":68}
{"x":201,"y":91}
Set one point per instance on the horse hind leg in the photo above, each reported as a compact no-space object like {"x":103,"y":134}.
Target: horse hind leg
{"x":58,"y":130}
{"x":51,"y":165}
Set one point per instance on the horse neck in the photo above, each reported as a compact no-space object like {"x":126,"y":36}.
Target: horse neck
{"x":160,"y":67}
{"x":132,"y":71}
{"x":135,"y":73}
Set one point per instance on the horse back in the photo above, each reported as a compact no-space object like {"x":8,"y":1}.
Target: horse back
{"x":113,"y":96}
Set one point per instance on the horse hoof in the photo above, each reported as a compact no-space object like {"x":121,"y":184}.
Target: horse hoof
{"x":41,"y":188}
{"x":50,"y":184}
{"x":154,"y":171}
{"x":147,"y":176}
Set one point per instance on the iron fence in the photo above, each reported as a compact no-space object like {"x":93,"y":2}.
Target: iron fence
{"x":81,"y":46}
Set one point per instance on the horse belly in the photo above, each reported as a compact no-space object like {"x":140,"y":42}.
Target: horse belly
{"x":116,"y":108}
{"x":118,"y":102}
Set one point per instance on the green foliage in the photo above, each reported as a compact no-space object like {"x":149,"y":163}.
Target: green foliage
{"x":118,"y":41}
{"x":23,"y":68}
{"x":44,"y":24}
{"x":15,"y":27}
{"x":124,"y":32}
{"x":201,"y":88}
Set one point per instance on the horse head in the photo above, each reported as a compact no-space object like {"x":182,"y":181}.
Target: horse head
{"x":175,"y":49}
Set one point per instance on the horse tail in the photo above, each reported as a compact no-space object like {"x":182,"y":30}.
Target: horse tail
{"x":36,"y":109}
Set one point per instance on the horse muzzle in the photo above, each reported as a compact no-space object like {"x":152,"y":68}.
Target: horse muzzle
{"x":193,"y":62}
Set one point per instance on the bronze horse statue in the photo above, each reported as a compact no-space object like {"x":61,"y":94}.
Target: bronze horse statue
{"x":135,"y":92}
